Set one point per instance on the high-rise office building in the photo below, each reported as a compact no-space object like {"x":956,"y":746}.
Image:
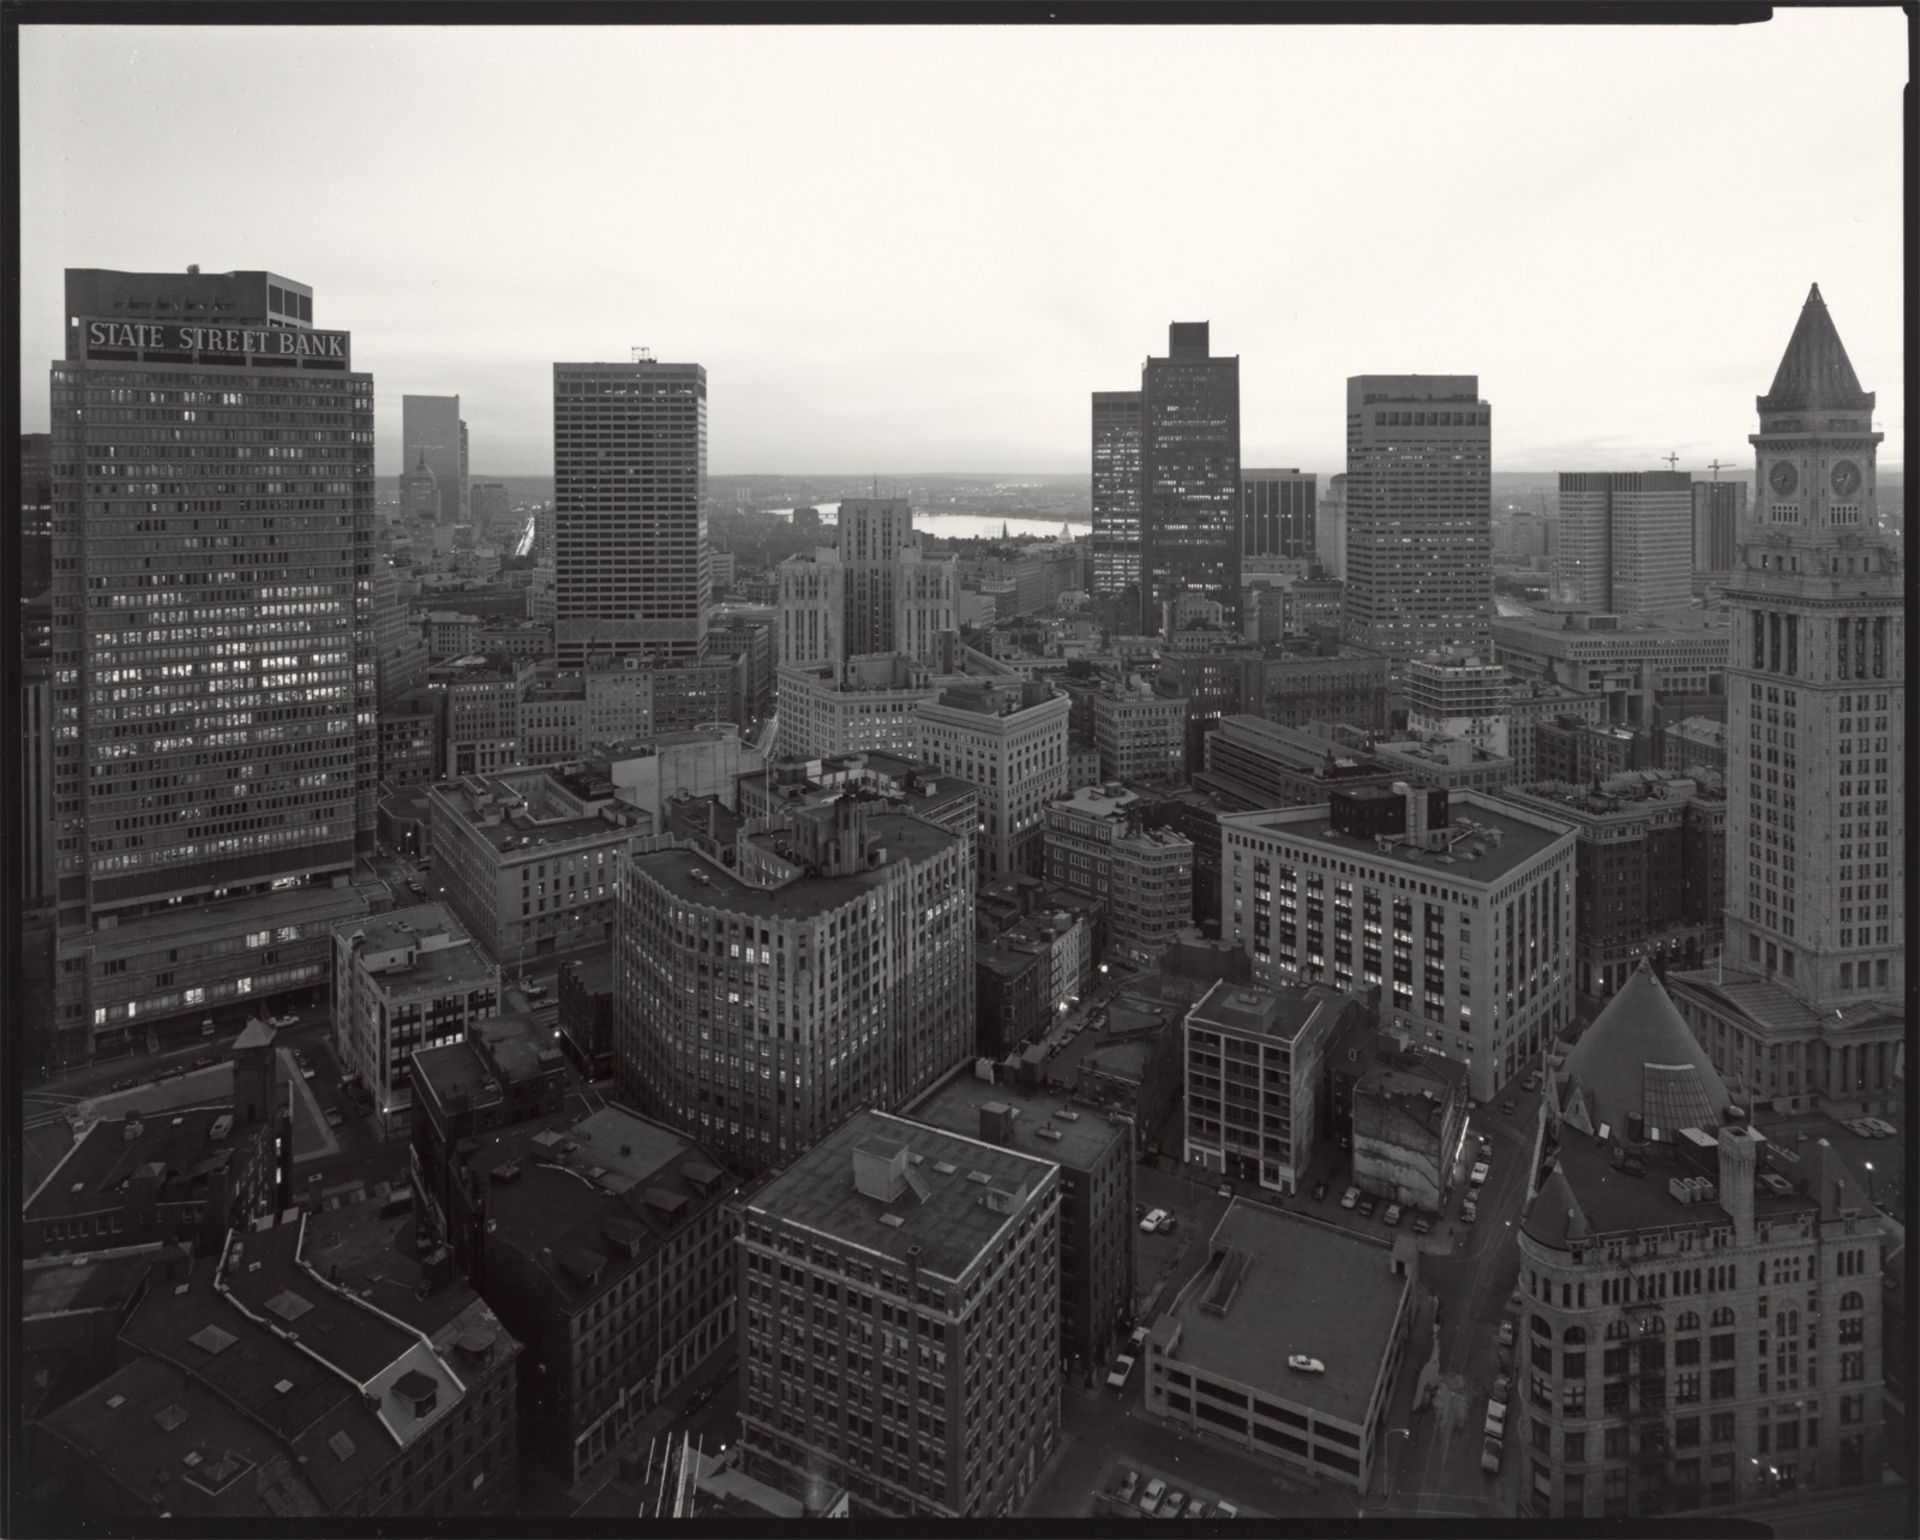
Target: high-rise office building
{"x":1719,"y":524}
{"x":1115,"y":540}
{"x":1277,"y":514}
{"x":1330,"y":527}
{"x":1419,"y":516}
{"x":36,"y":514}
{"x":1460,"y":697}
{"x":1624,"y":541}
{"x":830,"y":968}
{"x":630,"y":528}
{"x":419,"y":492}
{"x":212,"y":645}
{"x":873,"y":532}
{"x":1807,"y":1008}
{"x":1189,"y":476}
{"x":873,"y":591}
{"x":489,"y":503}
{"x":431,"y":429}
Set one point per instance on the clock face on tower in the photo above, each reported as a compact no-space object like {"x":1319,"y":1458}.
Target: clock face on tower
{"x":1783,"y":478}
{"x":1846,"y":479}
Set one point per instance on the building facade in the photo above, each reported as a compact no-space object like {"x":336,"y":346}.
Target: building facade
{"x":629,"y":525}
{"x":433,"y":439}
{"x":1336,"y":893}
{"x":1189,"y":475}
{"x":1114,"y":547}
{"x":1139,"y":733}
{"x":758,"y":1050}
{"x":1623,"y":544}
{"x":1010,"y":740}
{"x":921,"y":1300}
{"x":1277,"y":515}
{"x":1419,"y":569}
{"x":1460,"y":696}
{"x":855,"y":706}
{"x":1097,"y":844}
{"x":1719,"y":524}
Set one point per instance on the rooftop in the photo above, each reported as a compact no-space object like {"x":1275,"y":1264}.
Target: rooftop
{"x":941,"y":1222}
{"x":1624,"y":793}
{"x":290,"y":906}
{"x":1084,"y":1137}
{"x":1521,"y":838}
{"x":1304,"y":1287}
{"x":903,"y":837}
{"x":593,"y":970}
{"x":1282,"y":1014}
{"x":1638,"y":1060}
{"x":370,"y":1248}
{"x":105,"y":1280}
{"x":176,"y":1149}
{"x":410,"y":926}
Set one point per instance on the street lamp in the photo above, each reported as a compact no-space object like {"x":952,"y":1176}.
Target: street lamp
{"x":1870,"y":1199}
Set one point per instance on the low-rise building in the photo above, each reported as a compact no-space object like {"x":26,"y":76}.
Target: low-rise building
{"x":477,"y":712}
{"x":1576,"y":751}
{"x":1279,"y":1286}
{"x":1253,"y":763}
{"x":1531,"y":701}
{"x":1140,"y":735}
{"x":1316,"y":679}
{"x":918,"y":786}
{"x":1455,"y":763}
{"x":706,"y":761}
{"x":1456,"y":695}
{"x":894,"y":1256}
{"x":1629,"y":661}
{"x":1695,"y":743}
{"x":585,"y":987}
{"x":407,"y":979}
{"x":408,"y":739}
{"x":858,"y":704}
{"x":1098,"y":844}
{"x":527,"y":857}
{"x":1009,"y":739}
{"x":1252,"y":1070}
{"x":1401,"y":1110}
{"x":1094,"y":1150}
{"x":605,"y":1244}
{"x":71,"y":1312}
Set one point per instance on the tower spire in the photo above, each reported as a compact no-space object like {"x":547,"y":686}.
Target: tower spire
{"x":1815,"y":372}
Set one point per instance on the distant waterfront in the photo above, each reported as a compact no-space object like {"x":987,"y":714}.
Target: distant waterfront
{"x":960,"y":526}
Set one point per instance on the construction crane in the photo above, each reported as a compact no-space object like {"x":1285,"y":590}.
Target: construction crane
{"x":1717,"y":466}
{"x":1672,"y":459}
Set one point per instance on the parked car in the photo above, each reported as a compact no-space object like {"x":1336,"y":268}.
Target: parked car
{"x":1224,"y":1190}
{"x":1129,"y":1484}
{"x":1490,"y":1456}
{"x":535,"y":991}
{"x":1421,"y":1224}
{"x":1319,"y":1192}
{"x":1368,"y":1203}
{"x":1122,"y":1367}
{"x":1501,"y":1388}
{"x":1469,"y":1211}
{"x":334,"y":1117}
{"x":1225,"y":1511}
{"x":1150,"y":1498}
{"x":1350,"y":1197}
{"x":1514,"y":1300}
{"x":1167,"y":1222}
{"x":1392,"y":1215}
{"x":1196,"y":1508}
{"x":1176,"y":1500}
{"x":1506,"y":1107}
{"x":1881,"y":1127}
{"x":1152,"y":1221}
{"x":1533,"y":1080}
{"x":1506,"y":1332}
{"x":1305,"y":1364}
{"x":1496,"y":1423}
{"x":1480,"y":1172}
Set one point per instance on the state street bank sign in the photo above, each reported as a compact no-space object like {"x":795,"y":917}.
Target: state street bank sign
{"x":211,"y":344}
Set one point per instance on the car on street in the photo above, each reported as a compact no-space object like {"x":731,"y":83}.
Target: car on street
{"x":1196,"y":1508}
{"x":1319,"y":1192}
{"x":1501,"y":1387}
{"x":1882,"y":1129}
{"x":1392,"y":1216}
{"x":1176,"y":1500}
{"x":1514,"y":1300}
{"x":1122,"y":1367}
{"x":1350,"y":1197}
{"x":1367,"y":1204}
{"x":1129,"y":1484}
{"x":1506,"y":1332}
{"x":1490,"y":1456}
{"x":1305,"y":1364}
{"x":283,"y":1021}
{"x":1533,"y":1080}
{"x":535,"y":991}
{"x":1150,"y":1497}
{"x":1469,"y":1211}
{"x":1225,"y":1511}
{"x":1224,"y":1190}
{"x":1506,"y":1107}
{"x":1496,"y":1423}
{"x":1152,"y":1221}
{"x":1421,"y":1224}
{"x":1480,"y":1172}
{"x":334,"y":1117}
{"x":1486,"y":1145}
{"x":1139,"y":1338}
{"x":1167,"y":1222}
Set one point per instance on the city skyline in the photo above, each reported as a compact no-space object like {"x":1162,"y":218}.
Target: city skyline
{"x":820,"y":288}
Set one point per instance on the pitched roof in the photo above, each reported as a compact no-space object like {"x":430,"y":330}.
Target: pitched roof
{"x":1640,"y":1057}
{"x":1554,"y":1217}
{"x":1814,"y":371}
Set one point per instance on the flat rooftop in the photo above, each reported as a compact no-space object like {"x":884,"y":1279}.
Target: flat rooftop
{"x":593,"y":970}
{"x":103,"y":1281}
{"x":1086,"y":1138}
{"x":1306,"y":1287}
{"x":1280,"y":1014}
{"x":462,"y":966}
{"x":290,"y":906}
{"x":180,"y":1142}
{"x":951,"y":1225}
{"x":407,"y":926}
{"x":1521,"y":841}
{"x":904,"y":838}
{"x":1615,"y":1202}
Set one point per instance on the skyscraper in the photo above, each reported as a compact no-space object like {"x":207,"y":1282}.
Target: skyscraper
{"x":213,"y":652}
{"x":1115,"y":538}
{"x":1719,"y":524}
{"x":1807,"y":1004}
{"x":629,"y":528}
{"x":1189,"y":475}
{"x":1330,"y":527}
{"x":1624,"y":541}
{"x":873,"y":532}
{"x":1419,"y":516}
{"x":430,"y":426}
{"x":1277,"y":514}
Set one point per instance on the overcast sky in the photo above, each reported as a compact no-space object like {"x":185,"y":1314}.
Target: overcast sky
{"x":919,"y":249}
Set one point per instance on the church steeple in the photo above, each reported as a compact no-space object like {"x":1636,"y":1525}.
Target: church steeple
{"x":1815,"y":373}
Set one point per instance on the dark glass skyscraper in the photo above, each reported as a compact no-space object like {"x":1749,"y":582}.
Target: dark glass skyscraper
{"x":214,"y":731}
{"x":1115,"y":540}
{"x":430,"y":428}
{"x":1190,"y":475}
{"x":1277,"y":514}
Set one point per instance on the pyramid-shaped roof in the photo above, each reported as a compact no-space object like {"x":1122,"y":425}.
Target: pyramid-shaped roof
{"x":1554,"y":1218}
{"x":1815,"y":372}
{"x":1640,"y":1057}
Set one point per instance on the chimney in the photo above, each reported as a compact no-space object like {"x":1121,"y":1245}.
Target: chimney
{"x":1738,"y":1161}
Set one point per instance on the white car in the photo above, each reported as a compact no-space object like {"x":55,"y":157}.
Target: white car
{"x":1480,"y":1171}
{"x":1152,"y":1221}
{"x":1350,"y":1197}
{"x":1490,"y":1456}
{"x":1506,"y":1332}
{"x":1122,"y":1367}
{"x":1139,"y":1338}
{"x":1881,"y":1127}
{"x":1305,"y":1364}
{"x":1496,"y":1425}
{"x":1150,"y":1498}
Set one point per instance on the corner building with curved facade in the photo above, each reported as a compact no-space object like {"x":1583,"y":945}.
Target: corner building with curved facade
{"x":1702,"y":1307}
{"x":830,"y":970}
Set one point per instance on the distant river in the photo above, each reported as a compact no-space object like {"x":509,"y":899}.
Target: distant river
{"x":960,"y":526}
